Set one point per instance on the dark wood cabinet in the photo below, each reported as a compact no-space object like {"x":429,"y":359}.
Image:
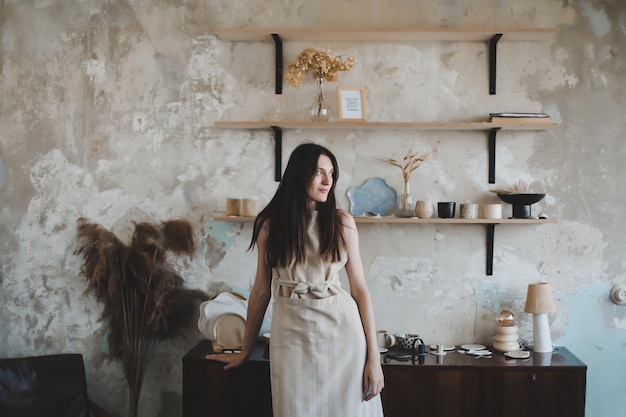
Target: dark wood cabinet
{"x":431,"y":392}
{"x":535,"y":393}
{"x":454,"y":385}
{"x":209,"y":390}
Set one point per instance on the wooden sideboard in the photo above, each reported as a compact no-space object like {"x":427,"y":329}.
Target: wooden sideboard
{"x":454,"y":385}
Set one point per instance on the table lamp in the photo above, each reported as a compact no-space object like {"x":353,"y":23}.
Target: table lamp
{"x":539,"y":302}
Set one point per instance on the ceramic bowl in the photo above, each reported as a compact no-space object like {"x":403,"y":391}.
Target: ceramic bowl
{"x":405,"y":341}
{"x":521,"y":199}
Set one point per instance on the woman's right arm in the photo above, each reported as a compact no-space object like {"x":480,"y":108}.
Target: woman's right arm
{"x":257,"y":305}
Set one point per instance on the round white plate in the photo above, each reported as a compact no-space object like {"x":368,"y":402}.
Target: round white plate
{"x":482,"y":352}
{"x":518,"y":354}
{"x":445,"y":347}
{"x":382,"y":350}
{"x":472,"y":347}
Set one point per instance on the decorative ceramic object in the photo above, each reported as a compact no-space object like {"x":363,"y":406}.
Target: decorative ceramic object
{"x":469,"y":211}
{"x":406,"y":341}
{"x":374,"y":197}
{"x":424,"y":209}
{"x":521,"y":203}
{"x":492,"y":211}
{"x":446,"y":209}
{"x":506,"y":338}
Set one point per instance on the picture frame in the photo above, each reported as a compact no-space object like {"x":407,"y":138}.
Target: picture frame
{"x":351,"y":103}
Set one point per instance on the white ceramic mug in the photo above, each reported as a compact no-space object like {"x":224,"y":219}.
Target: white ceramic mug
{"x":385,"y":339}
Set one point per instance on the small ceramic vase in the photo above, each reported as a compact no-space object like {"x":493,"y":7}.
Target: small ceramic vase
{"x":424,"y":209}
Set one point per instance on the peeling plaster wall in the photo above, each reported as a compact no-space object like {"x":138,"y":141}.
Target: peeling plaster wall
{"x":107,"y":111}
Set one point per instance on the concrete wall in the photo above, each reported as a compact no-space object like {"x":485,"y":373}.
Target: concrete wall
{"x":107,"y":111}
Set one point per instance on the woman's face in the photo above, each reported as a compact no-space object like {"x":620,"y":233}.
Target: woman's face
{"x":322,"y":181}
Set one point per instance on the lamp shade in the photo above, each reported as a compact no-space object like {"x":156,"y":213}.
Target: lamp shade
{"x":539,"y":298}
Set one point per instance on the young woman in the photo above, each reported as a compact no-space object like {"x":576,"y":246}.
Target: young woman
{"x":324,"y":357}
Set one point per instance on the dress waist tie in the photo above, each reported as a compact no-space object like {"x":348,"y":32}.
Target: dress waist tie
{"x":320,"y":289}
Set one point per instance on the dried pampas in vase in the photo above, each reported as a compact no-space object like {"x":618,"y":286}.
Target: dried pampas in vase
{"x":143,"y":296}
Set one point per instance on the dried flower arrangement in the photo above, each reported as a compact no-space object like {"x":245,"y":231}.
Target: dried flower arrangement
{"x":411,"y":161}
{"x":520,"y":187}
{"x":323,"y":65}
{"x":143,"y":296}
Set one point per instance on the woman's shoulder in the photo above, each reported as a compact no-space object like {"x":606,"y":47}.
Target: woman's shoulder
{"x":346,"y":218}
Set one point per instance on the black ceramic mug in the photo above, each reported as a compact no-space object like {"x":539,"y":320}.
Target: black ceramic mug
{"x":446,"y":209}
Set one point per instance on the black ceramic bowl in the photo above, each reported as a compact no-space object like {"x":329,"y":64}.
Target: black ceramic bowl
{"x":521,"y":199}
{"x":521,"y":203}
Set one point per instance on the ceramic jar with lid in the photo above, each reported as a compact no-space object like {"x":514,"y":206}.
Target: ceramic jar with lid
{"x":506,"y":338}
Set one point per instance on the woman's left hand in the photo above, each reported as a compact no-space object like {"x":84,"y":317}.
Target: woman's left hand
{"x":373,"y":379}
{"x":232,"y":360}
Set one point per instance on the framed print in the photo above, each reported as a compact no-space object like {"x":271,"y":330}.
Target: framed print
{"x":351,"y":103}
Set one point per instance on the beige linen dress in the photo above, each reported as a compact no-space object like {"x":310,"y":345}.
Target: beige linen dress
{"x":317,"y":347}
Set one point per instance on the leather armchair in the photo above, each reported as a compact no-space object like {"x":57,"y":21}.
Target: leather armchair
{"x":52,"y":385}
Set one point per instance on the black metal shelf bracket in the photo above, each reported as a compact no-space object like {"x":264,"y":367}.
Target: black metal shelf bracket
{"x":490,"y":238}
{"x":492,"y":154}
{"x":493,"y":43}
{"x":278,"y":152}
{"x":279,"y":62}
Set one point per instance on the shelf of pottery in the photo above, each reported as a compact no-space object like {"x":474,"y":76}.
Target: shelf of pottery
{"x":494,"y":123}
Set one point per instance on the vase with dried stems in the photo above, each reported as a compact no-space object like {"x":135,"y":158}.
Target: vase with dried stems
{"x":320,"y":110}
{"x":144,"y":297}
{"x":410,"y":162}
{"x":324,"y":66}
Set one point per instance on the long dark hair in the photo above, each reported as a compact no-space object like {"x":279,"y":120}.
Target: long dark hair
{"x":290,"y":212}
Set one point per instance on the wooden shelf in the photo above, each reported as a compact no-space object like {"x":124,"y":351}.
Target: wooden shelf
{"x":385,"y":35}
{"x":490,"y":225}
{"x":492,"y":128}
{"x":491,"y":36}
{"x":480,"y":126}
{"x":411,"y":220}
{"x":487,"y":35}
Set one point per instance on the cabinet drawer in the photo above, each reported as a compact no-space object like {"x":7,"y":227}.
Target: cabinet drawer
{"x":208,"y":390}
{"x":411,"y":391}
{"x":534,"y":393}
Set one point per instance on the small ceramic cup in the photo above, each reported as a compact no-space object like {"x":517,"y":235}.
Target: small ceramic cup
{"x":446,"y":209}
{"x":469,"y":211}
{"x":234,"y":206}
{"x":424,"y":209}
{"x":249,"y":207}
{"x":492,"y":211}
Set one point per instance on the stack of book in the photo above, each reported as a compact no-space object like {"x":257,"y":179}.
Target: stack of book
{"x":517,"y":118}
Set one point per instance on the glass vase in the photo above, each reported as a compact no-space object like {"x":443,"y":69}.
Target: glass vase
{"x":406,"y":208}
{"x":320,"y":111}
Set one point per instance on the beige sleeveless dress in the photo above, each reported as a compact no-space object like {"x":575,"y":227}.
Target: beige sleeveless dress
{"x":317,"y":346}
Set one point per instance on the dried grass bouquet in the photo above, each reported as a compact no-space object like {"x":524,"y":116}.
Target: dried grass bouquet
{"x":411,"y":161}
{"x":323,"y":65}
{"x":143,"y":296}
